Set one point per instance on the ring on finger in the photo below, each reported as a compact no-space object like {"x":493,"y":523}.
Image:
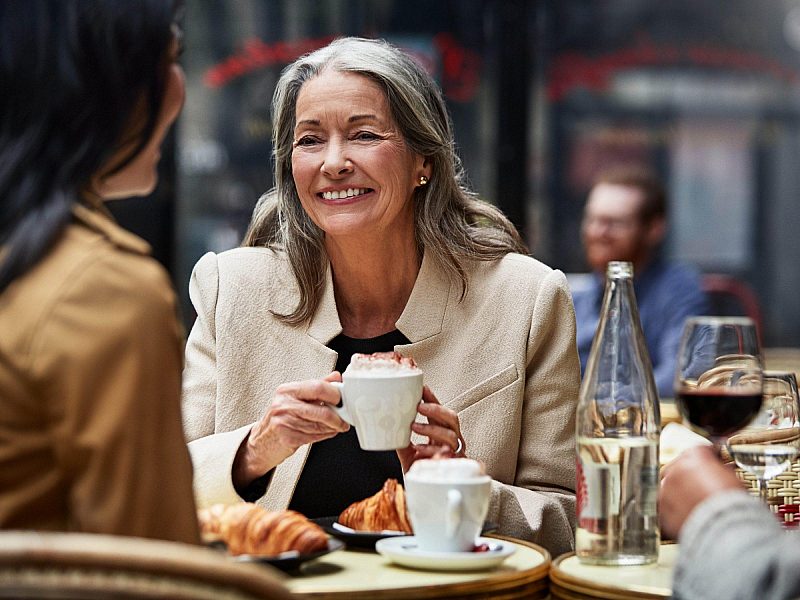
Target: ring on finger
{"x":459,"y":447}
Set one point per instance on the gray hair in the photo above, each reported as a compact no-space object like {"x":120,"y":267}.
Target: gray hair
{"x":451,"y":223}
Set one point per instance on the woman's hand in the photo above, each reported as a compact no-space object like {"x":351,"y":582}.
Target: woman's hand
{"x":299,"y":414}
{"x":691,"y":478}
{"x":443,"y":432}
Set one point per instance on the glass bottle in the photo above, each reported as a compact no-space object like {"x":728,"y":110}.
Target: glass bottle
{"x":618,"y":426}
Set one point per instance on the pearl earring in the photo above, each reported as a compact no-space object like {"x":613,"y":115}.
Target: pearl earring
{"x":423,"y":180}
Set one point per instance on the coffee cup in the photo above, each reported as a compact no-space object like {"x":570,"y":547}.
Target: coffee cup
{"x":380,"y":393}
{"x":447,"y":502}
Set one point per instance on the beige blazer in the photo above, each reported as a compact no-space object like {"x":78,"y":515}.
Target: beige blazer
{"x":91,"y":353}
{"x":504,"y":358}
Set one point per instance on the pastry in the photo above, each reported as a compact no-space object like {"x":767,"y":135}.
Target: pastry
{"x":385,"y":511}
{"x":249,"y":529}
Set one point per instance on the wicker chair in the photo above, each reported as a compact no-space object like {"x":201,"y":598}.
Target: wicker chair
{"x":79,"y":565}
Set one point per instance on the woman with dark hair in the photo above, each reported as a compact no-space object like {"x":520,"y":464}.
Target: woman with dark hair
{"x":90,"y":351}
{"x":371,"y":241}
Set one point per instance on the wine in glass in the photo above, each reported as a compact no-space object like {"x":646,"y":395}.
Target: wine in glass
{"x":767,"y":447}
{"x":718,"y":380}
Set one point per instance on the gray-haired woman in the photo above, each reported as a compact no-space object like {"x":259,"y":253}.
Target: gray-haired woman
{"x":369,"y":242}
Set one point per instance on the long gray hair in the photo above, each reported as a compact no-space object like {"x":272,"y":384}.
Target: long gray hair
{"x":451,"y":223}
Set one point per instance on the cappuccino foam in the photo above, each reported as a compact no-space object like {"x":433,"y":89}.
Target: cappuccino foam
{"x":446,"y":469}
{"x":382,"y":364}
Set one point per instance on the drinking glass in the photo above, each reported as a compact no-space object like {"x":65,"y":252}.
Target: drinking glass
{"x":718,"y":379}
{"x":767,"y":446}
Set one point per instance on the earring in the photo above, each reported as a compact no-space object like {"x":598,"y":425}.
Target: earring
{"x":423,"y":180}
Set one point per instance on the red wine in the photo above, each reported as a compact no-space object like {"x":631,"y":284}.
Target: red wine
{"x":718,"y":412}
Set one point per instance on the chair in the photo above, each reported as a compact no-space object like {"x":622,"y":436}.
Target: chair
{"x":728,"y":295}
{"x":81,"y":565}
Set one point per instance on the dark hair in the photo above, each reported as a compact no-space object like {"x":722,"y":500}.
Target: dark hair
{"x":75,"y":74}
{"x":654,"y":196}
{"x":452,"y":224}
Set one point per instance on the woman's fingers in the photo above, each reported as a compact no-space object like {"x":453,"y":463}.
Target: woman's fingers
{"x":443,"y":426}
{"x":433,"y":451}
{"x":316,"y":390}
{"x":437,"y":434}
{"x":318,"y":415}
{"x":428,"y":396}
{"x":305,"y":423}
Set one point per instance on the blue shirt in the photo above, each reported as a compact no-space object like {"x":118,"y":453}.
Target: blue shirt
{"x":666,"y":293}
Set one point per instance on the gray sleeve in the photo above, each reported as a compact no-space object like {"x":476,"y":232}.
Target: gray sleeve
{"x":732,"y":547}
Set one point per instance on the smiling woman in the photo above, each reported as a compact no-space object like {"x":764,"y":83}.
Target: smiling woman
{"x":371,"y":241}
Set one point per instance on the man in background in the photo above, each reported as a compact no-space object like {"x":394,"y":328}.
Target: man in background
{"x":625,"y":219}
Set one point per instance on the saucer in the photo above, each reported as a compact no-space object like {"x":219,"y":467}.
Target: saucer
{"x":404,"y":551}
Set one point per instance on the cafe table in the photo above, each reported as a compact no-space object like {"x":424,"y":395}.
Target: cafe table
{"x":571,"y":580}
{"x":354,"y":574}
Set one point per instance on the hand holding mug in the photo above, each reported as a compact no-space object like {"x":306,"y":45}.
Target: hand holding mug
{"x":442,"y":429}
{"x":300,"y":413}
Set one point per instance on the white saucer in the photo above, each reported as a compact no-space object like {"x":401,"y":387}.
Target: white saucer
{"x":404,"y":551}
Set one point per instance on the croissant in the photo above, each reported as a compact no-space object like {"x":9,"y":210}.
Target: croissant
{"x":386,"y":510}
{"x":249,"y":529}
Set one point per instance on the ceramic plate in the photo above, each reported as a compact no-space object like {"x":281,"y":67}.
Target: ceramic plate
{"x":404,"y":551}
{"x":367,"y":539}
{"x":287,"y":561}
{"x":354,"y":539}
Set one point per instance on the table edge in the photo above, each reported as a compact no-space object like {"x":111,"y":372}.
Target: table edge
{"x":576,"y":584}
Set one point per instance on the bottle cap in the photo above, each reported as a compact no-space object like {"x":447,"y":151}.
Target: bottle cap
{"x":618,"y":269}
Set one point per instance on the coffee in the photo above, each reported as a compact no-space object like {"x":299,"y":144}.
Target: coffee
{"x":449,"y":469}
{"x":382,"y":364}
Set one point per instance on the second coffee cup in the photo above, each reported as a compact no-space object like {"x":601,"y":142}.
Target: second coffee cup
{"x":447,"y":503}
{"x":380,"y":394}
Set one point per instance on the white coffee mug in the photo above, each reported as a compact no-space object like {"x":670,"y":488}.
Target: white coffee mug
{"x":447,"y":516}
{"x":381,"y":408}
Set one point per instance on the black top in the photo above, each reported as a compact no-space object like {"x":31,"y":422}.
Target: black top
{"x":338,"y":472}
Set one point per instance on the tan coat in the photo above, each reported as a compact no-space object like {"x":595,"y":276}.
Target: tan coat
{"x":504,"y":359}
{"x":90,"y":364}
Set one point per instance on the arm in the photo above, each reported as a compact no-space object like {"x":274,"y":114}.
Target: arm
{"x":540,"y":506}
{"x":731,"y":546}
{"x":227,"y":463}
{"x":109,"y":356}
{"x":212,"y":453}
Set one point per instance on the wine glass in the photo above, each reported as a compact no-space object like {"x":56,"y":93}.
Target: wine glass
{"x":767,"y":446}
{"x":718,"y":380}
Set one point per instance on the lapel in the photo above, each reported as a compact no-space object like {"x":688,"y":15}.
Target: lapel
{"x":423,"y":319}
{"x":423,"y":316}
{"x":325,"y":325}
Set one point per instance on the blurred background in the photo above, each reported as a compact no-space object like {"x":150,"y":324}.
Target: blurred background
{"x":543,"y":94}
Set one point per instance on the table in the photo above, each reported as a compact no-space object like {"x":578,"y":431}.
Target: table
{"x":782,"y":359}
{"x":358,"y":575}
{"x":571,"y":580}
{"x":669,"y":412}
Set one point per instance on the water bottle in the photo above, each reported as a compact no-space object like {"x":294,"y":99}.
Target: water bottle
{"x":618,"y":426}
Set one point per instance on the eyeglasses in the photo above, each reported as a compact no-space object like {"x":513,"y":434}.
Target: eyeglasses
{"x":611,"y":224}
